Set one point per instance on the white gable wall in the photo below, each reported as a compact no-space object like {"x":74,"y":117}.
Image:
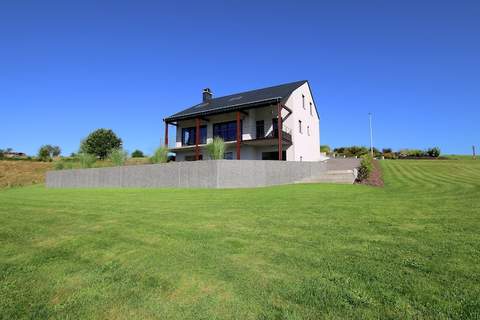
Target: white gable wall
{"x":306,"y":147}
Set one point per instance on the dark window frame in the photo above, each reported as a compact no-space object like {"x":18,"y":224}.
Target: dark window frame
{"x":193,"y":133}
{"x":228,"y":130}
{"x":260,"y":129}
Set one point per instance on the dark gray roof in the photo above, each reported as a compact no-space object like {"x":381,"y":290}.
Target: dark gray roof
{"x":239,"y":101}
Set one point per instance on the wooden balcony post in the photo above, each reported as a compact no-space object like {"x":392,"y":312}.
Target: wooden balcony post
{"x":197,"y":138}
{"x":238,"y":135}
{"x":166,"y":134}
{"x":279,"y":128}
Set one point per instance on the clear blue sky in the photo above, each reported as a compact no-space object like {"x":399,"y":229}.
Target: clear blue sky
{"x":69,"y":67}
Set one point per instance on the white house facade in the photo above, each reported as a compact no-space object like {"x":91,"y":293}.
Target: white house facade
{"x":275,"y":123}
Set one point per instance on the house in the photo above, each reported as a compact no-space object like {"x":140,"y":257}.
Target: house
{"x":274,"y":123}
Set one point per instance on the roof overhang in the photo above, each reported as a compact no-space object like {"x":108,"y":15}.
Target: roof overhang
{"x":230,"y":108}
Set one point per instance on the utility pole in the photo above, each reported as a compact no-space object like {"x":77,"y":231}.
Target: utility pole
{"x":371,"y":133}
{"x":474,"y":155}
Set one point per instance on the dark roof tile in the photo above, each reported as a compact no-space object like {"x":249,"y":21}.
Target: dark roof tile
{"x":238,"y":100}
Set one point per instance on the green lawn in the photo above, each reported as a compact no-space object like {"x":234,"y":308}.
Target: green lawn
{"x":409,"y":250}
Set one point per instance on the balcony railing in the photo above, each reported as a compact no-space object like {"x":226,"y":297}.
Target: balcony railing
{"x":266,"y":132}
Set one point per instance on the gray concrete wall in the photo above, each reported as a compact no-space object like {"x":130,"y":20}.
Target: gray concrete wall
{"x":197,"y":174}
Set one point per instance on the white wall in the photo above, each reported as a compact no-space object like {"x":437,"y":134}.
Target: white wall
{"x":306,"y":147}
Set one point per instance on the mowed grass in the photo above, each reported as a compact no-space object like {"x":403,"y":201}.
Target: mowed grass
{"x":409,"y":250}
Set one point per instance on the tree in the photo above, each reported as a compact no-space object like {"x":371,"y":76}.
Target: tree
{"x":325,"y":148}
{"x":100,"y":143}
{"x":433,"y":152}
{"x":137,"y":154}
{"x":56,"y":151}
{"x":47,"y":152}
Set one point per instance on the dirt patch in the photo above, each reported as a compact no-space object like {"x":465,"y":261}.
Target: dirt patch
{"x":376,"y":178}
{"x":22,"y":172}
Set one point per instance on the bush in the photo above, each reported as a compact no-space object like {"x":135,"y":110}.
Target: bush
{"x":160,"y":155}
{"x":352,"y":151}
{"x":325,"y":148}
{"x":366,"y":167}
{"x":2,"y":153}
{"x":390,"y":155}
{"x":118,"y":156}
{"x":216,"y":149}
{"x":100,"y":143}
{"x":137,"y":154}
{"x":86,"y":160}
{"x":433,"y":152}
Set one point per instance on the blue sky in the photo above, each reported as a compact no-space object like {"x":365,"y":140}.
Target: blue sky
{"x":69,"y":67}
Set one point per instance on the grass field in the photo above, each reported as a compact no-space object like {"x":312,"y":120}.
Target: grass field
{"x":408,"y":250}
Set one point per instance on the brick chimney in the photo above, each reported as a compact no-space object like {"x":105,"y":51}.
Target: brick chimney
{"x":207,"y":94}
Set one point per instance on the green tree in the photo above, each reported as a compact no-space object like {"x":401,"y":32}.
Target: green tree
{"x":137,"y":154}
{"x":100,"y":143}
{"x":325,"y":148}
{"x":47,"y":152}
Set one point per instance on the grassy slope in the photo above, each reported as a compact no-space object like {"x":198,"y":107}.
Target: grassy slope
{"x":22,"y":172}
{"x":408,"y":250}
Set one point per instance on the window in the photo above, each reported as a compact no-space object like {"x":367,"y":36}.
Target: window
{"x":226,"y":130}
{"x":311,"y":109}
{"x":300,"y":126}
{"x":308,"y":130}
{"x":303,"y":101}
{"x":228,"y":156}
{"x":273,"y":155}
{"x":275,"y":127}
{"x":260,"y":129}
{"x":188,"y":135}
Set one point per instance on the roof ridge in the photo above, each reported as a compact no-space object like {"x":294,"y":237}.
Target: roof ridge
{"x":265,"y":88}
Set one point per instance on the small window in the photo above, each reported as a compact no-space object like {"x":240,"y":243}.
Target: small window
{"x":303,"y":101}
{"x":311,"y":109}
{"x":308,"y":130}
{"x":300,"y":126}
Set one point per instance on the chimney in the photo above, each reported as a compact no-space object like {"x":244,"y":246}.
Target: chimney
{"x":207,"y":94}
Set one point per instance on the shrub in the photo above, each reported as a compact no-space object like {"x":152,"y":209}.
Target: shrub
{"x":325,"y":148}
{"x":100,"y":143}
{"x":390,"y":155}
{"x":366,"y":167}
{"x":118,"y":156}
{"x":433,"y":152}
{"x":86,"y":160}
{"x":2,"y":153}
{"x":59,"y":165}
{"x":216,"y":148}
{"x":160,"y":155}
{"x":137,"y":154}
{"x":352,"y":151}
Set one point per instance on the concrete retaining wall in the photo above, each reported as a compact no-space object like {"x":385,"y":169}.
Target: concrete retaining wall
{"x":198,"y":174}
